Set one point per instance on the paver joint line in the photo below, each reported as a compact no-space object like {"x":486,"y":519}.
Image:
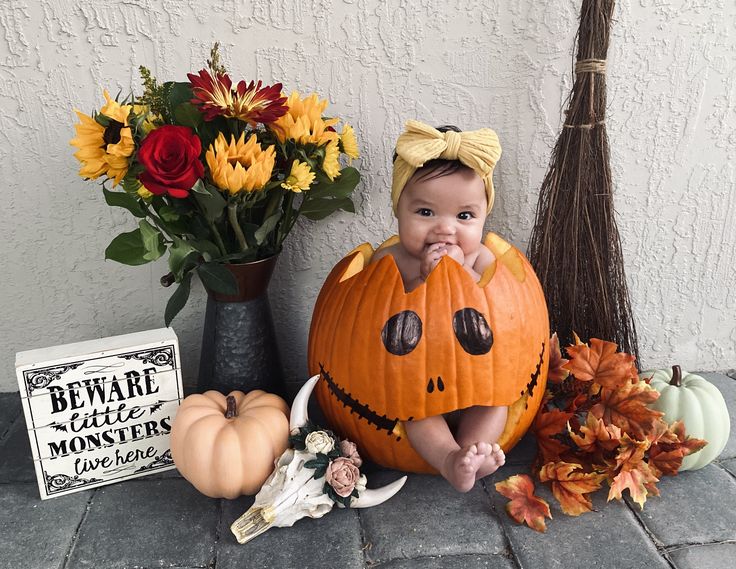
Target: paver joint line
{"x":661,"y":549}
{"x":73,"y":540}
{"x":679,"y":546}
{"x":510,"y":552}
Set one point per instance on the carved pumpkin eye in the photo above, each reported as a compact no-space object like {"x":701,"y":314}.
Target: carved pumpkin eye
{"x":401,"y":333}
{"x":472,"y":331}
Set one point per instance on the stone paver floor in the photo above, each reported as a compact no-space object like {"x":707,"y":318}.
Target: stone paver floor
{"x":161,"y":521}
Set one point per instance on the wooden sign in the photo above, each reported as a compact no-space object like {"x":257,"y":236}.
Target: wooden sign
{"x":99,"y":412}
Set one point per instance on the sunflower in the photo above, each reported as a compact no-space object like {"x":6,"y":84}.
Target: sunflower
{"x":303,"y":122}
{"x":348,"y":142}
{"x":247,"y":102}
{"x":104,"y":150}
{"x":300,"y":177}
{"x":240,"y":166}
{"x":331,"y":164}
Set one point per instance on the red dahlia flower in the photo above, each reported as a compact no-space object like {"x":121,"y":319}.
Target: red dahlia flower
{"x":250,"y":103}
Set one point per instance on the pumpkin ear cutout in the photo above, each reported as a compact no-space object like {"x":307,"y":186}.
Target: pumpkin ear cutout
{"x":506,"y":255}
{"x":363,"y":255}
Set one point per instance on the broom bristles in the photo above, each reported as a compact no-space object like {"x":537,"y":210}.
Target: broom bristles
{"x":575,"y":246}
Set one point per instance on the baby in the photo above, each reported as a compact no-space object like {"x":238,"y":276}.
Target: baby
{"x":442,"y":192}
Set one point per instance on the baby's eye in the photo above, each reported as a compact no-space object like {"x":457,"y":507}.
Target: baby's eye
{"x":465,"y":215}
{"x":424,"y":212}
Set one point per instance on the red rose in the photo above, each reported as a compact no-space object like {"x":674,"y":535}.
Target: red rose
{"x":170,"y":156}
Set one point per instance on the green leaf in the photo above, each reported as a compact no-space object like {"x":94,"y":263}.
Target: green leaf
{"x":178,"y":254}
{"x":210,"y":200}
{"x":127,"y":248}
{"x":315,"y":209}
{"x":268,"y":226}
{"x":186,"y":114}
{"x":168,"y":213}
{"x":341,"y":187}
{"x":206,"y":247}
{"x":177,"y":93}
{"x":178,"y":300}
{"x":102,"y":120}
{"x":217,"y":278}
{"x":124,"y":200}
{"x":152,"y":239}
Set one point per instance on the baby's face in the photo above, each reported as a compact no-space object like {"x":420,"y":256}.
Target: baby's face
{"x":448,"y":209}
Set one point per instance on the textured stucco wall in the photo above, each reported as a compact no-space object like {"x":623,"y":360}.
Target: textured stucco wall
{"x":672,"y":125}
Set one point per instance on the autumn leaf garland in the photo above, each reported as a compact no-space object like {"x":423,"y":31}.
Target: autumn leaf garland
{"x":595,"y":425}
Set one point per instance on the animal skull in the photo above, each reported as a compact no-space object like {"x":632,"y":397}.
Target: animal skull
{"x":292,"y":492}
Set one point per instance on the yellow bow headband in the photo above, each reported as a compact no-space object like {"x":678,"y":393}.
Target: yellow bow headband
{"x":479,"y":150}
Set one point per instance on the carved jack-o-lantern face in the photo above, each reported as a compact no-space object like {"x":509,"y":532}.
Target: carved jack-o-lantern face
{"x":387,"y":356}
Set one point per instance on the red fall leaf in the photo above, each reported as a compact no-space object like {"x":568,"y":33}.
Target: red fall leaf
{"x":596,"y":434}
{"x":601,"y":363}
{"x":632,"y":472}
{"x":524,"y":506}
{"x":626,"y":407}
{"x":557,"y":372}
{"x":571,"y":485}
{"x":547,"y":424}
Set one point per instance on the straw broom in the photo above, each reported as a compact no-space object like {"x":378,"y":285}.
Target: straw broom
{"x":575,"y":246}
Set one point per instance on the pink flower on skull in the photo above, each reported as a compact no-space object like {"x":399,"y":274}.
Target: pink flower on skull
{"x":342,"y":475}
{"x":349,"y":450}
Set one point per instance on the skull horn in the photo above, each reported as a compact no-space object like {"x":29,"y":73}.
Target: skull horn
{"x":299,"y":413}
{"x":299,"y":418}
{"x":370,"y":498}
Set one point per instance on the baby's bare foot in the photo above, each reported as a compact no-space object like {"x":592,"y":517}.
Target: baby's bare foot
{"x":462,"y":465}
{"x":494,"y":459}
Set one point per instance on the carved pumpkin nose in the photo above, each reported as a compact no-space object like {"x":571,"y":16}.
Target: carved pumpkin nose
{"x":401,"y":333}
{"x":472,"y":331}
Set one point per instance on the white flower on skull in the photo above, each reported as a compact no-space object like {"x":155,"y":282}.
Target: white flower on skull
{"x":319,"y":441}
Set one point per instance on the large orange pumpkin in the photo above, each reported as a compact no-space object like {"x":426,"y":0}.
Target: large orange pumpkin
{"x":386,"y":356}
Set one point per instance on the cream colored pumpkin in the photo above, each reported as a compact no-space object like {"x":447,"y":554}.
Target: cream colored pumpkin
{"x":226,"y":445}
{"x":690,"y":398}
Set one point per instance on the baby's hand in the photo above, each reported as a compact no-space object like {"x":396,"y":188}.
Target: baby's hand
{"x":432,"y":256}
{"x":455,"y":252}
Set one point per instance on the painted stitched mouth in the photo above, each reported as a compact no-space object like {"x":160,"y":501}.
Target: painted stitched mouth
{"x":382,"y":422}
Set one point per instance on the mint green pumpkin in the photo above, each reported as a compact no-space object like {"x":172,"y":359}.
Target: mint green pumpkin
{"x":698,"y":403}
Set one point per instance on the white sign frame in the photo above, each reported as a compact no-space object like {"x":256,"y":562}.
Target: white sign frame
{"x":100,"y":412}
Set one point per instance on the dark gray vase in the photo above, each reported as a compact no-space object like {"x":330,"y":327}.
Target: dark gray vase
{"x":239,"y":350}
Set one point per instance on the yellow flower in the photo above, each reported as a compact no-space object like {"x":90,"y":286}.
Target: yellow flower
{"x":144,"y":193}
{"x":348,"y":142}
{"x":104,"y":150}
{"x":300,"y":177}
{"x":331,"y":164}
{"x":240,"y":166}
{"x":304,"y":123}
{"x":151,"y":120}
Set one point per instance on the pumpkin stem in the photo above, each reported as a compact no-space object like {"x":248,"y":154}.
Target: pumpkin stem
{"x":676,"y":376}
{"x":232,"y":407}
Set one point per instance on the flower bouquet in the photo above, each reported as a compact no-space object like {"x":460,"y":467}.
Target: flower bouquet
{"x":214,"y":172}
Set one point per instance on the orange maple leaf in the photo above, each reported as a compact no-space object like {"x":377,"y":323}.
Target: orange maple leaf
{"x":690,"y":444}
{"x":557,"y":373}
{"x":571,"y":485}
{"x":634,"y":473}
{"x":601,"y":364}
{"x":670,"y":444}
{"x":547,"y":424}
{"x":596,"y":433}
{"x":524,"y":506}
{"x":626,"y":407}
